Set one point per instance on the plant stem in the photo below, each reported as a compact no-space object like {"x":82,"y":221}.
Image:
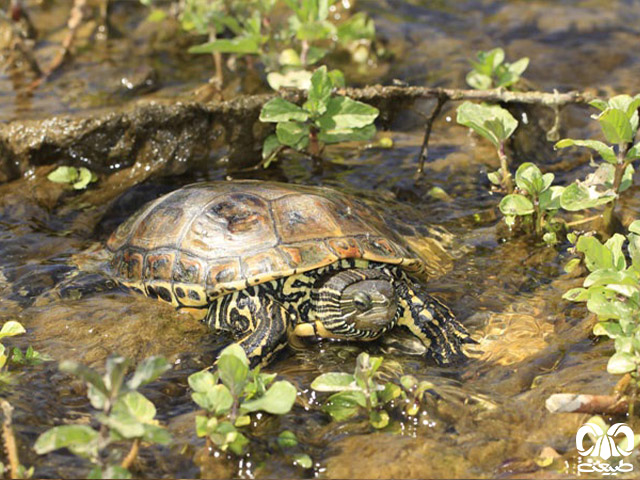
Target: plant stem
{"x":424,"y":150}
{"x":217,"y":61}
{"x":131,"y":456}
{"x":9,"y":440}
{"x":621,"y":166}
{"x":507,"y":182}
{"x":314,"y":144}
{"x":537,"y":217}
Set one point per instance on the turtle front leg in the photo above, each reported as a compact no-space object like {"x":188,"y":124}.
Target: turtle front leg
{"x":258,"y":321}
{"x":433,"y":323}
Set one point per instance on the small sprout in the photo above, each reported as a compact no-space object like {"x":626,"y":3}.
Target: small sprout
{"x":322,"y":119}
{"x":491,"y":71}
{"x":79,"y":178}
{"x":231,"y":394}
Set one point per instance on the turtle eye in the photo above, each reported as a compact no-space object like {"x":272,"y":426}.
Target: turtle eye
{"x":362,"y":301}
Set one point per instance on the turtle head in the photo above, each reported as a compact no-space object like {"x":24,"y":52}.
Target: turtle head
{"x":355,"y":304}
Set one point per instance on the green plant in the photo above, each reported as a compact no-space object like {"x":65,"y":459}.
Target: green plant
{"x":15,"y":356}
{"x":287,"y":440}
{"x":496,"y":125}
{"x":231,"y":394}
{"x":79,"y":178}
{"x":618,"y":119}
{"x":323,"y":119}
{"x":536,"y":200}
{"x":491,"y":71}
{"x":357,"y":392}
{"x":124,"y":415}
{"x":612,"y":292}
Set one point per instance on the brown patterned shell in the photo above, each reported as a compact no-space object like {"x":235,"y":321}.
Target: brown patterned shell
{"x":207,"y":239}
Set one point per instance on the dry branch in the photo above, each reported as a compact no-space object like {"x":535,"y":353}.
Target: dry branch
{"x":10,"y":448}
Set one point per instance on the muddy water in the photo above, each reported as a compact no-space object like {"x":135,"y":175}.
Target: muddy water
{"x":488,"y":419}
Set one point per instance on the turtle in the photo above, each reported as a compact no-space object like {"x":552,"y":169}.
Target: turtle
{"x":268,"y":260}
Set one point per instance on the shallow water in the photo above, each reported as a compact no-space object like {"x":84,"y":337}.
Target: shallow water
{"x":489,"y":418}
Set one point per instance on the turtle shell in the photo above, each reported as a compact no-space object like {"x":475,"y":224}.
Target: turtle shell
{"x":207,"y":239}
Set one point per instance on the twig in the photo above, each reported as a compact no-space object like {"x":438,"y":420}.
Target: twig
{"x":9,"y":439}
{"x":75,"y":20}
{"x":131,"y":456}
{"x":594,"y":404}
{"x":424,"y":150}
{"x":21,"y":45}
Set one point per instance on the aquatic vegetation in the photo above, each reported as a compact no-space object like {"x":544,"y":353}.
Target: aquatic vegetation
{"x":14,"y":356}
{"x":612,"y":292}
{"x":491,"y":71}
{"x":79,"y":178}
{"x":124,"y":415}
{"x":323,"y":119}
{"x":288,"y":36}
{"x":618,"y":119}
{"x":230,"y":394}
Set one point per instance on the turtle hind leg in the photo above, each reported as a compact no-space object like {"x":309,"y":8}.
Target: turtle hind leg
{"x":260,"y":323}
{"x":434,"y":324}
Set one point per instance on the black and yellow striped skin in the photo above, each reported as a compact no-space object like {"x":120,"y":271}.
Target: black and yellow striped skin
{"x":263,"y":316}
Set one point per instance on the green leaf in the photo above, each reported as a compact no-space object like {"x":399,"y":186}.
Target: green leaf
{"x":378,"y":419}
{"x":391,"y":391}
{"x":635,"y":227}
{"x":238,"y":444}
{"x":337,"y":78}
{"x":479,"y":81}
{"x":495,"y":177}
{"x":241,"y":45}
{"x":516,"y":204}
{"x":148,"y":370}
{"x":216,"y":399}
{"x":116,"y":368}
{"x":550,"y":198}
{"x":606,"y":276}
{"x":597,"y":256}
{"x":614,"y":244}
{"x":529,"y":179}
{"x":300,"y":79}
{"x":205,"y":425}
{"x":621,"y":363}
{"x":64,"y":175}
{"x":519,"y":66}
{"x":609,"y":329}
{"x":334,"y":382}
{"x":137,"y":405}
{"x":302,"y":460}
{"x":344,"y":405}
{"x":11,"y":329}
{"x":489,"y":121}
{"x":270,"y":146}
{"x":578,"y":196}
{"x":280,"y":110}
{"x":347,"y":134}
{"x":80,"y":439}
{"x":85,"y":177}
{"x":345,"y":113}
{"x":233,"y":367}
{"x":571,"y":265}
{"x":110,"y":471}
{"x":599,"y":104}
{"x":277,"y":400}
{"x":202,"y":381}
{"x":576,"y":295}
{"x":318,"y":30}
{"x":319,"y":93}
{"x":156,"y":15}
{"x":293,"y":134}
{"x":289,"y":57}
{"x":287,"y":439}
{"x":242,"y":421}
{"x":550,"y":238}
{"x":605,"y":151}
{"x":616,"y":126}
{"x":408,"y":382}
